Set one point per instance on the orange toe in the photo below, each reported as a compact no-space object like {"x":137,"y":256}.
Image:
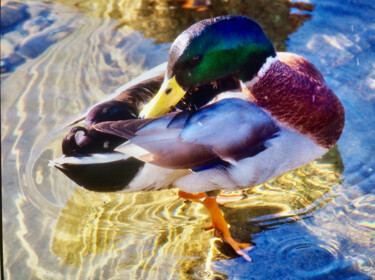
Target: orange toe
{"x":222,"y":229}
{"x":218,"y":222}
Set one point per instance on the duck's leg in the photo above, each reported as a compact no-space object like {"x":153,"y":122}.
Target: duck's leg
{"x":218,"y":222}
{"x":191,"y":196}
{"x":221,"y":226}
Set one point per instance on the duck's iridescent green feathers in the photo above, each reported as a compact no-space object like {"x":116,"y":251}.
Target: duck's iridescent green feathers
{"x":218,"y":47}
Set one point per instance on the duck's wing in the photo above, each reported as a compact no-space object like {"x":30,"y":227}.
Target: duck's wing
{"x":224,"y":132}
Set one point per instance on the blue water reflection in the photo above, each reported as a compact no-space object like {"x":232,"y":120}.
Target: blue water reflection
{"x":291,"y":252}
{"x":340,"y":41}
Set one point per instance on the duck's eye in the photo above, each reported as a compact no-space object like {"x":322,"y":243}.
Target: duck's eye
{"x":195,"y":61}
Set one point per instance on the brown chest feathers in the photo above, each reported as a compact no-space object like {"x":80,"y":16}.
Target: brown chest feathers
{"x":295,"y":93}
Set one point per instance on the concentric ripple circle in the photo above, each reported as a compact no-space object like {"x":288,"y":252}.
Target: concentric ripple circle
{"x":309,"y":259}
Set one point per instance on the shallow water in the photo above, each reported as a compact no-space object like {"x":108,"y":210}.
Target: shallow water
{"x":60,"y":57}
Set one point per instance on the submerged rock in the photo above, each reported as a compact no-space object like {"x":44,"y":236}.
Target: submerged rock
{"x":12,"y":14}
{"x":39,"y":22}
{"x":28,"y":31}
{"x":9,"y":63}
{"x":36,"y":44}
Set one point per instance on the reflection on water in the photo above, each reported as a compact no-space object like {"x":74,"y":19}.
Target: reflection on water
{"x":41,"y":26}
{"x":165,"y":20}
{"x":58,"y":59}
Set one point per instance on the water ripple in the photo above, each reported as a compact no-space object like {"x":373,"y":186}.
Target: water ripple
{"x":308,"y":259}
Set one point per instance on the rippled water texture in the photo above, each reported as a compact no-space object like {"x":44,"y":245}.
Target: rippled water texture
{"x":60,"y":57}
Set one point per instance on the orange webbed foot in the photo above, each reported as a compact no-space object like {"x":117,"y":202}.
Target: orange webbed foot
{"x":222,"y":229}
{"x":218,"y":222}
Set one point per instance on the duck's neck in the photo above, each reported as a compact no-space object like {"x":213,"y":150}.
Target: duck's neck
{"x":199,"y":96}
{"x":265,"y":67}
{"x":293,"y":91}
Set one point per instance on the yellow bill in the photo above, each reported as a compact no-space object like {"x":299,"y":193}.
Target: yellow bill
{"x":168,"y":96}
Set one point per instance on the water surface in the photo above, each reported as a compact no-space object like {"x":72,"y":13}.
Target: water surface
{"x":60,"y":57}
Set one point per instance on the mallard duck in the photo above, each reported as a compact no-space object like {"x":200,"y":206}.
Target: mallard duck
{"x":230,"y":113}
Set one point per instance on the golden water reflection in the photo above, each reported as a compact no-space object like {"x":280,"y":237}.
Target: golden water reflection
{"x":165,"y":20}
{"x":154,"y":233}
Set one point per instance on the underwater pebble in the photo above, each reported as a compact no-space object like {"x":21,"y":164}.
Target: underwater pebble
{"x":38,"y":23}
{"x":9,"y":63}
{"x":12,"y":14}
{"x":27,"y":35}
{"x":35,"y":45}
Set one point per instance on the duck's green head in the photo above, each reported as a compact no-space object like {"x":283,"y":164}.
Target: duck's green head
{"x":207,"y":51}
